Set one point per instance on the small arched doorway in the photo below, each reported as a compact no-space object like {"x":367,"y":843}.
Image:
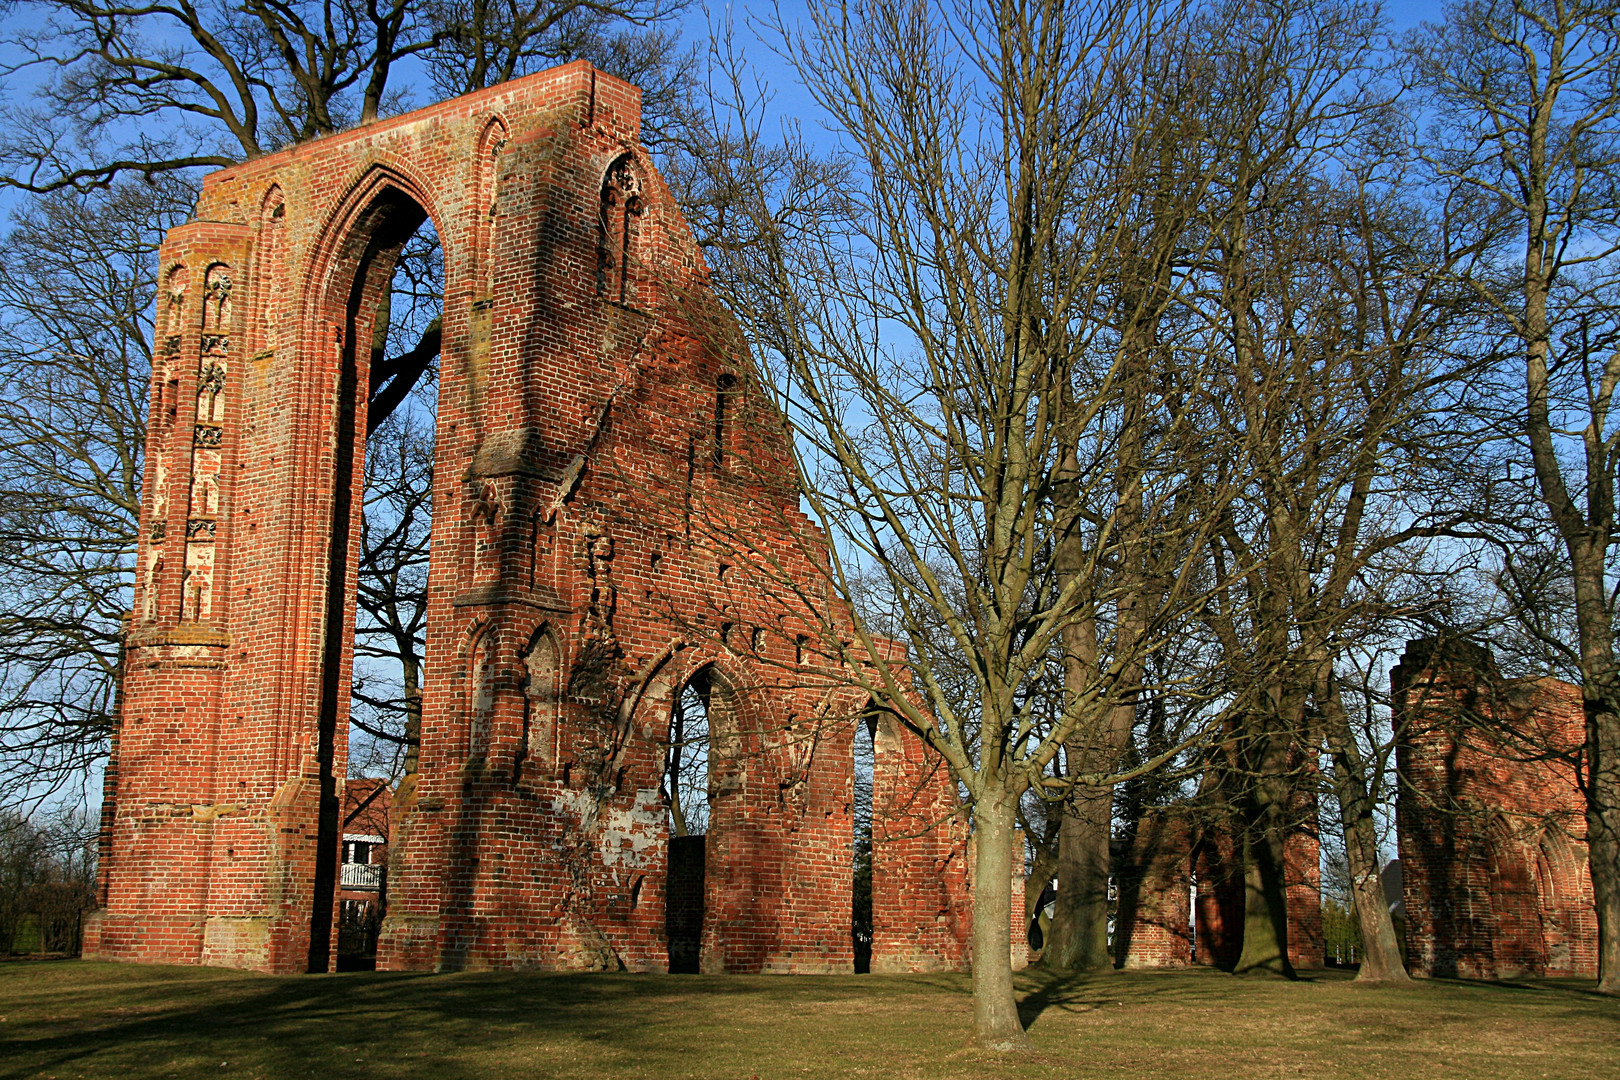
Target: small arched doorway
{"x":864,"y":756}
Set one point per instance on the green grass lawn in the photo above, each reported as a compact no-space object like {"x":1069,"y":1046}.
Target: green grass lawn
{"x":73,"y":1019}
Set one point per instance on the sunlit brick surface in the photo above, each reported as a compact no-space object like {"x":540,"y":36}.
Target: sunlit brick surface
{"x":586,"y":526}
{"x":1491,"y":820}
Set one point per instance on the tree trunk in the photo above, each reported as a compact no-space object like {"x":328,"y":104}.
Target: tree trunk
{"x":1603,"y":835}
{"x":1078,"y":940}
{"x":1381,"y":960}
{"x":996,"y":1024}
{"x":1079,"y":933}
{"x":1265,"y":895}
{"x":1265,"y":906}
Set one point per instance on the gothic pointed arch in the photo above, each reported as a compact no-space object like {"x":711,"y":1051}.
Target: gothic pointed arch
{"x":542,"y":666}
{"x":621,"y":262}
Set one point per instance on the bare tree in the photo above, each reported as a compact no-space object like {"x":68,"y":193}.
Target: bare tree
{"x":391,"y":598}
{"x":1110,"y":551}
{"x":76,"y":300}
{"x":1346,"y":493}
{"x":157,"y":87}
{"x":479,"y":43}
{"x":1526,"y":99}
{"x":925,"y":334}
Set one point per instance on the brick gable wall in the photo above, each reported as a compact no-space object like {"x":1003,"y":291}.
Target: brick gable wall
{"x":585,"y":541}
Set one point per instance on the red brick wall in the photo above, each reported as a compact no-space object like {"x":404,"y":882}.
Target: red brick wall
{"x":585,"y":537}
{"x":1153,"y":887}
{"x":922,"y":908}
{"x":1490,"y":819}
{"x":1155,"y":877}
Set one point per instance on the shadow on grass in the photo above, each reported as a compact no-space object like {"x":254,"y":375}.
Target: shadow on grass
{"x":1085,"y":991}
{"x":389,"y":1025}
{"x":118,"y":1021}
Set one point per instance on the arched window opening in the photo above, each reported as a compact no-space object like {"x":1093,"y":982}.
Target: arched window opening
{"x":541,"y":664}
{"x":490,"y":146}
{"x":698,"y":743}
{"x":385,"y":284}
{"x":481,"y":683}
{"x":396,"y":520}
{"x":269,"y":269}
{"x":616,"y":246}
{"x":865,"y":759}
{"x":686,"y":759}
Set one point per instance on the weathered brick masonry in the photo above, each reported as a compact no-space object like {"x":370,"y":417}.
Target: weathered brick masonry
{"x":598,"y":431}
{"x":1196,"y":848}
{"x":1491,"y":825}
{"x":1490,"y":818}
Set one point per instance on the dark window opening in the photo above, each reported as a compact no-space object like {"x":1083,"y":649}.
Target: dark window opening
{"x":686,"y":791}
{"x":725,"y":387}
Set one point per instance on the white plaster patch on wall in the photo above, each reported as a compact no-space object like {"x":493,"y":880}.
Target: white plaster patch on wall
{"x":625,"y":838}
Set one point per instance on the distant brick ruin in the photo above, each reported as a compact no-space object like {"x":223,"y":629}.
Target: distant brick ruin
{"x":1491,"y":819}
{"x":1179,"y":888}
{"x":596,"y":423}
{"x":1491,"y":826}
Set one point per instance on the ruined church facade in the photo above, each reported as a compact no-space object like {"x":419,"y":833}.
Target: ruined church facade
{"x":615,"y":522}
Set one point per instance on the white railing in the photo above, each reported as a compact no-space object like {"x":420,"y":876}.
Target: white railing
{"x":362,"y":876}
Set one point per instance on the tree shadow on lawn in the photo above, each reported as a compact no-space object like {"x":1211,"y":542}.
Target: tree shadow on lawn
{"x":392,"y":1025}
{"x":121,"y":1021}
{"x":1089,"y":991}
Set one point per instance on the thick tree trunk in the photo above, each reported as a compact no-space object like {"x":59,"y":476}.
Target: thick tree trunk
{"x":1265,"y":836}
{"x":1603,"y":835}
{"x":1265,"y":903}
{"x":996,"y":1024}
{"x":1079,"y":934}
{"x":1381,"y":958}
{"x":1078,"y":938}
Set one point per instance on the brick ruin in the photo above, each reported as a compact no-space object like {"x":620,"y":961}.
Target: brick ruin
{"x":597,"y":423}
{"x":1491,"y":826}
{"x":1491,"y":819}
{"x":1179,"y":888}
{"x":596,"y":420}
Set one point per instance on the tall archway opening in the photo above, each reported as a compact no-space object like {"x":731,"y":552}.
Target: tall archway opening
{"x":386,"y":289}
{"x":864,"y":752}
{"x":687,"y":788}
